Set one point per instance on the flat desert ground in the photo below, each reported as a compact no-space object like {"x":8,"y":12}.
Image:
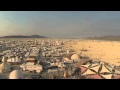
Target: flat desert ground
{"x":107,"y":51}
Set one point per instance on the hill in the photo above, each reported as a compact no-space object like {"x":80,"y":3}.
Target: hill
{"x":22,"y":36}
{"x":111,"y":38}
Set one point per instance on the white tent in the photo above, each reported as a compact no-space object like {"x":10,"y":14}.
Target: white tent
{"x":16,"y":74}
{"x":75,"y":57}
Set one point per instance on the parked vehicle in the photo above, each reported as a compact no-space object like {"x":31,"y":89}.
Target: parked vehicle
{"x":31,"y":67}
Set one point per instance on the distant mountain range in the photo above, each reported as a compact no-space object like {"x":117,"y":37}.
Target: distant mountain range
{"x":22,"y":36}
{"x":112,"y":38}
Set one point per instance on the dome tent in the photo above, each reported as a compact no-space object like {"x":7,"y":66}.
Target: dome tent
{"x":16,"y":74}
{"x":75,"y":57}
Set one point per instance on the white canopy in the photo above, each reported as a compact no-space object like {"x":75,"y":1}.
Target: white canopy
{"x":16,"y":74}
{"x":75,"y":57}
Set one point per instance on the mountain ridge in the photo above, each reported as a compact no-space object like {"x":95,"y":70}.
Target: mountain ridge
{"x":107,"y":37}
{"x":23,"y":36}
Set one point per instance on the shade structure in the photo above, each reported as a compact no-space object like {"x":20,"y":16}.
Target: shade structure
{"x":115,"y":73}
{"x":94,"y":76}
{"x":87,"y":66}
{"x":100,"y":68}
{"x":89,"y":72}
{"x":97,"y":71}
{"x":107,"y":76}
{"x":111,"y":69}
{"x":83,"y":69}
{"x":91,"y":69}
{"x":95,"y":68}
{"x":96,"y":64}
{"x":116,"y":76}
{"x":104,"y":69}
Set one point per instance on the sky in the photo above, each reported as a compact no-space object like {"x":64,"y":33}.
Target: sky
{"x":60,"y":24}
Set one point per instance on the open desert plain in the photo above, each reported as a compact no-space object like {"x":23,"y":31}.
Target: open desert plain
{"x":106,"y":51}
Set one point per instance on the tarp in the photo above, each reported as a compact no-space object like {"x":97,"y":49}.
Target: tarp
{"x":94,"y":76}
{"x":104,"y":69}
{"x":93,"y":65}
{"x":96,"y":68}
{"x":116,"y":76}
{"x":109,"y":76}
{"x":88,"y":72}
{"x":87,"y":66}
{"x":111,"y":68}
{"x":83,"y":69}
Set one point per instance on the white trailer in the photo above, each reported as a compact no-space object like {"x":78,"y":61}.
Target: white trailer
{"x":31,"y":67}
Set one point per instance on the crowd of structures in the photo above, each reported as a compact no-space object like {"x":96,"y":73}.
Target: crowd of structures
{"x":49,"y":59}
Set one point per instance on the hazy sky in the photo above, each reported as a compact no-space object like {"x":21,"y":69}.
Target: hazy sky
{"x":60,"y":23}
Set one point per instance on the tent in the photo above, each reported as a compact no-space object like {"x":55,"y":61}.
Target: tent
{"x":76,"y":57}
{"x":16,"y":74}
{"x":99,"y":71}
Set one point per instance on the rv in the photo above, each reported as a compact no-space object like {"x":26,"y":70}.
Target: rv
{"x":31,"y":67}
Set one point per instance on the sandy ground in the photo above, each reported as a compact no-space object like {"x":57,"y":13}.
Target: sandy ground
{"x":107,"y":51}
